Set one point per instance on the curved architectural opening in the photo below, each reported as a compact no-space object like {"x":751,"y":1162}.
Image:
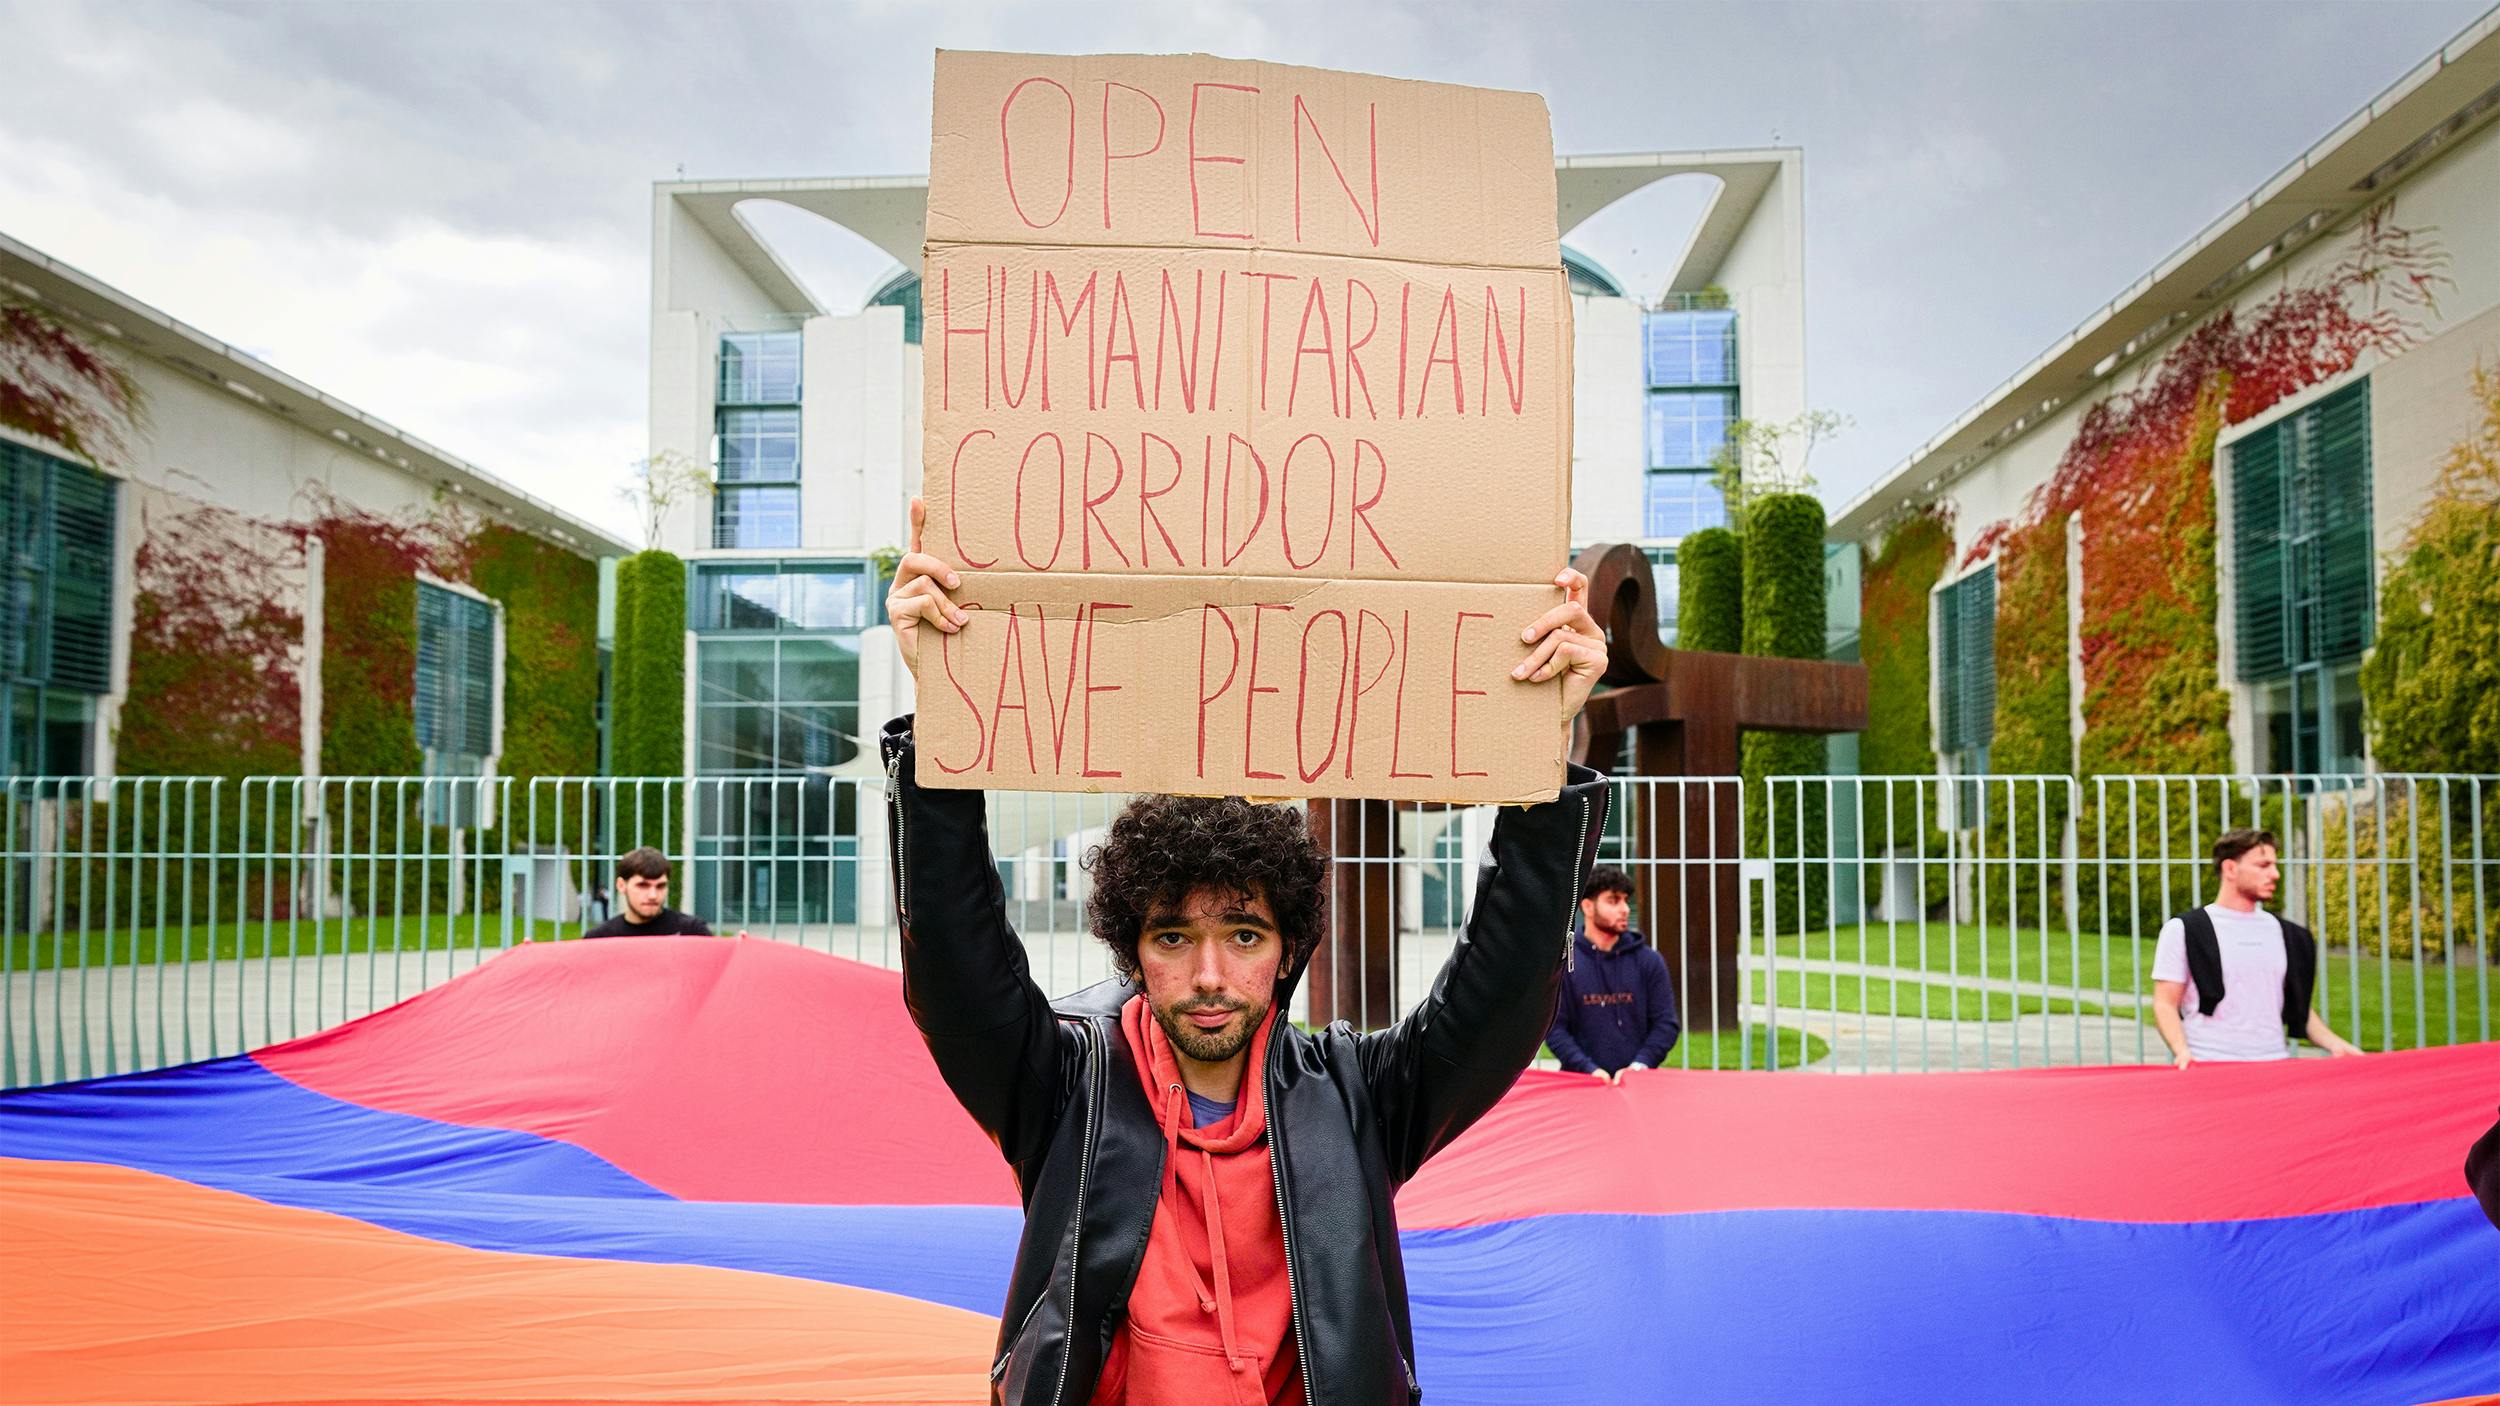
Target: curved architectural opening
{"x":829,"y":259}
{"x":1641,"y":235}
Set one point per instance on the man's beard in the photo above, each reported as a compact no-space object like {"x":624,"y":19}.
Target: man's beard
{"x":1210,"y":1046}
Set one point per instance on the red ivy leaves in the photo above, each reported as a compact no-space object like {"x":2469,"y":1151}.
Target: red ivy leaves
{"x":215,"y":648}
{"x":2140,"y":471}
{"x":54,"y":387}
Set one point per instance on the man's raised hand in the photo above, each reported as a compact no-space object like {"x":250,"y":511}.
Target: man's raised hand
{"x":1566,"y":641}
{"x":918,"y":596}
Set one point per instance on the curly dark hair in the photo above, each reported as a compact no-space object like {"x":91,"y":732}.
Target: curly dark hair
{"x":1162,"y":848}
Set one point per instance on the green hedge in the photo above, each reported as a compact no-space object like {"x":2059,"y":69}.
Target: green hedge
{"x":550,"y":599}
{"x":648,"y":688}
{"x":1710,"y":591}
{"x":1783,"y":574}
{"x":1784,"y":618}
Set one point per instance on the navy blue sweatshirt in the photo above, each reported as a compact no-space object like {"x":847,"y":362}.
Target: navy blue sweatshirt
{"x":1618,"y":1008}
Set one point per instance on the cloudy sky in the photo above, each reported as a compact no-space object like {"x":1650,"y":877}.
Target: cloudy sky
{"x":441,"y":211}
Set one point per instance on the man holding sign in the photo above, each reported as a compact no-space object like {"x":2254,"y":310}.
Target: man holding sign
{"x":1246,"y":417}
{"x":1208,"y":1189}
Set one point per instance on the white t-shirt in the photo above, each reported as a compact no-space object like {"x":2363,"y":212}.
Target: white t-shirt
{"x":2248,"y":1024}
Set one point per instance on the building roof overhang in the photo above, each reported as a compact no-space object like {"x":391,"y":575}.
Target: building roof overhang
{"x":133,"y":325}
{"x":2444,"y":98}
{"x":891,"y":212}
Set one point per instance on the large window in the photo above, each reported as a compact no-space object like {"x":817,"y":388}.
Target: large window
{"x":56,"y":608}
{"x":1688,"y":359}
{"x":1687,"y":428}
{"x":1691,"y":348}
{"x":757,"y":432}
{"x":1680,"y":504}
{"x":2305,"y":602}
{"x":1966,"y":669}
{"x":455,"y":695}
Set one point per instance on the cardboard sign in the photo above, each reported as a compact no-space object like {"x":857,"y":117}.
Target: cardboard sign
{"x":1247,"y":419}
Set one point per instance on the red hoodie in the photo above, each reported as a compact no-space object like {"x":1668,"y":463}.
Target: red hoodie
{"x":1210,"y":1320}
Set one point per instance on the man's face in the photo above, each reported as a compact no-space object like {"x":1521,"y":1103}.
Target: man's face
{"x":1609,"y":913}
{"x":2254,"y":874}
{"x":1210,"y":966}
{"x":644,"y":898}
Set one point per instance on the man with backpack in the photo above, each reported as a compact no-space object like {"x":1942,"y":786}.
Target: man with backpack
{"x":2232,"y":981}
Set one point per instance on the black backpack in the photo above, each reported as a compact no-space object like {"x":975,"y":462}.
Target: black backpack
{"x":2300,"y":968}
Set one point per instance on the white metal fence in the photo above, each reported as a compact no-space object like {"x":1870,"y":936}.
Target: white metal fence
{"x":1837,"y":923}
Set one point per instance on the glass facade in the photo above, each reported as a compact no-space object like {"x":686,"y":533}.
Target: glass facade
{"x":756,"y":439}
{"x":1688,"y":356}
{"x":1680,"y":504}
{"x":56,"y":609}
{"x":777,"y":718}
{"x":1691,"y":348}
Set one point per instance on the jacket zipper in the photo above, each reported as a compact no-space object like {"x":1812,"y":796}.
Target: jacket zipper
{"x":1284,"y":1227}
{"x":1571,"y":954}
{"x":1076,"y":1236}
{"x":902,"y":835}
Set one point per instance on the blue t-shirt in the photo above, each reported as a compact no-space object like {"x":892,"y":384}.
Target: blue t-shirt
{"x":1206,"y":1112}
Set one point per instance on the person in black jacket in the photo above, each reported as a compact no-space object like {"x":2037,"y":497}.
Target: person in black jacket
{"x":1129,"y":1112}
{"x":1618,"y":1002}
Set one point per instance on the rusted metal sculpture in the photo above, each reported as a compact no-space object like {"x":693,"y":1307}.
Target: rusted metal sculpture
{"x":1682,"y":711}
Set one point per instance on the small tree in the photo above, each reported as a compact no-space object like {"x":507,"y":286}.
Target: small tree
{"x":1761,"y":458}
{"x":666,"y":480}
{"x":53,"y":386}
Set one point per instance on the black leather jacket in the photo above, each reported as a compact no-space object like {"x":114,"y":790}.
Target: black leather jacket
{"x":1351,"y":1116}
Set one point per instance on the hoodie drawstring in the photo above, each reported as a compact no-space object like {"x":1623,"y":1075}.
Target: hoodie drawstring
{"x":1219,"y":1302}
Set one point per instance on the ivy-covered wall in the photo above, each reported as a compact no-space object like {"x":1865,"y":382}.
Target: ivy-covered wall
{"x":550,"y":601}
{"x":2431,"y":687}
{"x":1710,"y":592}
{"x":216,"y":646}
{"x":1893,"y":628}
{"x":369,"y":644}
{"x":2140,"y":473}
{"x":648,"y":675}
{"x":1895,"y":624}
{"x":2140,"y":470}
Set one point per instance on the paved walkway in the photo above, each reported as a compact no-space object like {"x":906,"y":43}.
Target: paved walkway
{"x":1995,"y":986}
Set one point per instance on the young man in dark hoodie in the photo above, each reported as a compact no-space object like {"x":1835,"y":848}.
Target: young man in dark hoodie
{"x":1618,"y":1003}
{"x":1208,"y":1189}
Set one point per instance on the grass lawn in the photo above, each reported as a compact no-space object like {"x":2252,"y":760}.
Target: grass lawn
{"x":302,"y":938}
{"x":1812,"y":991}
{"x":1725,"y":1050}
{"x":2400,"y":1007}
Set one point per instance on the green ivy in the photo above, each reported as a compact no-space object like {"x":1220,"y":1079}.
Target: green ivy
{"x":550,"y":599}
{"x":648,"y":688}
{"x":1893,"y":641}
{"x":1710,"y":591}
{"x":2431,"y":687}
{"x":1895,"y":613}
{"x":1784,"y":618}
{"x":369,"y":648}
